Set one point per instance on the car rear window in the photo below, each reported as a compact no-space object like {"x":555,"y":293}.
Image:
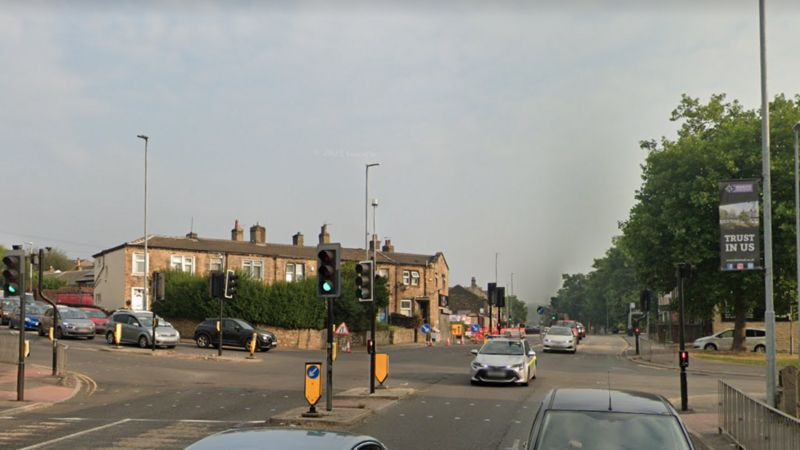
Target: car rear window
{"x":590,"y":430}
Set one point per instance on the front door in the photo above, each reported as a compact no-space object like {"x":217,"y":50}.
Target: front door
{"x":137,"y":299}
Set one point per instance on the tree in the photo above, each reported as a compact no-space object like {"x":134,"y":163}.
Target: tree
{"x":517,"y":311}
{"x":675,"y":218}
{"x":58,"y":260}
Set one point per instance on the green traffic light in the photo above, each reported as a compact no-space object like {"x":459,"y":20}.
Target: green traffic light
{"x":12,"y":290}
{"x":327,"y":286}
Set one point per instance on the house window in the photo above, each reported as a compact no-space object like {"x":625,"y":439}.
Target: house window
{"x":182,"y":263}
{"x":414,"y":278}
{"x":406,"y":277}
{"x":254,"y":268}
{"x":405,"y":307}
{"x":295,"y":272}
{"x":138,"y":263}
{"x":215,"y":264}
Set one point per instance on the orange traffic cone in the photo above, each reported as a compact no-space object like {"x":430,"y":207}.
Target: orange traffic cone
{"x":347,"y":348}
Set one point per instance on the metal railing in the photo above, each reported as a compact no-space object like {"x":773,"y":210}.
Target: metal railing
{"x":752,"y":424}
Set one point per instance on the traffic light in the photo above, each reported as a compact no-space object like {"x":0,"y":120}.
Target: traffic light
{"x":491,"y":292}
{"x":364,"y":281}
{"x":328,"y":275}
{"x":500,"y":297}
{"x":636,"y":331}
{"x":684,"y":359}
{"x":159,"y":288}
{"x":13,"y":272}
{"x":644,"y":301}
{"x":217,"y":285}
{"x":231,"y":284}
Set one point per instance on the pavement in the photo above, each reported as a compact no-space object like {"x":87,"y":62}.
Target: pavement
{"x":702,"y":417}
{"x":41,"y":387}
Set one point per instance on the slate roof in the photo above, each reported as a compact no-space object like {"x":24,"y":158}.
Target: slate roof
{"x":464,"y":299}
{"x":269,"y":249}
{"x":74,"y":277}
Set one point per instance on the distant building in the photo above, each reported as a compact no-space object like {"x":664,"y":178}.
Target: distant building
{"x":416,"y":282}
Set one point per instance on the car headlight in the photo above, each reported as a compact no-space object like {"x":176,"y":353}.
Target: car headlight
{"x":477,"y":365}
{"x":519,"y":366}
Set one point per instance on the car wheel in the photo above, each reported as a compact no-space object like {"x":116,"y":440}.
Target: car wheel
{"x":710,"y":347}
{"x":41,"y":331}
{"x":59,"y":334}
{"x":473,"y":382}
{"x":110,"y":338}
{"x":142,"y":341}
{"x":170,"y":346}
{"x":202,"y":340}
{"x":90,"y":337}
{"x":527,"y":377}
{"x":760,"y":349}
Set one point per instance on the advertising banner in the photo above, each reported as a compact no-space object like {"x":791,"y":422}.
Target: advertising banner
{"x":739,"y":225}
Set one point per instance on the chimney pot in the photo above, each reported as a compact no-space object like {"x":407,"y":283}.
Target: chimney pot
{"x":324,"y":236}
{"x":237,"y":233}
{"x":474,"y":282}
{"x":387,"y":246}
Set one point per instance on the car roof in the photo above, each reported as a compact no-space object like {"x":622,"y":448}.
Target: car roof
{"x":297,"y":439}
{"x":624,"y":401}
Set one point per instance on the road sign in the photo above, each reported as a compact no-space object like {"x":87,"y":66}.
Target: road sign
{"x":457,"y":329}
{"x":540,"y":310}
{"x":475,"y":328}
{"x":426,"y":328}
{"x":313,"y":389}
{"x":342,"y":330}
{"x":381,"y":367}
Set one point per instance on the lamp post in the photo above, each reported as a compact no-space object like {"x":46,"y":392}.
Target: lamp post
{"x":366,"y":210}
{"x":144,"y":299}
{"x":374,"y":299}
{"x":796,"y":130}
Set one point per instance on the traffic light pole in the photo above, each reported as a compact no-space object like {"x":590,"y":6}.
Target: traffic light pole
{"x":329,"y":348}
{"x":681,"y":337}
{"x":55,"y":312}
{"x":371,"y":348}
{"x":21,"y":366}
{"x":219,"y":348}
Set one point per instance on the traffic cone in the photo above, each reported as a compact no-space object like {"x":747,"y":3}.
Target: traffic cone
{"x":347,"y":349}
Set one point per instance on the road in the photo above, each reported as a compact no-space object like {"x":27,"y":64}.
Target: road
{"x":171,"y":399}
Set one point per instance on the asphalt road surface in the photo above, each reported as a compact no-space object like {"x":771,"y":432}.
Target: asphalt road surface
{"x":133,"y":399}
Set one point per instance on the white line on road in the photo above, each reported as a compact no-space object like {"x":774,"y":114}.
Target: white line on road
{"x":79,"y":433}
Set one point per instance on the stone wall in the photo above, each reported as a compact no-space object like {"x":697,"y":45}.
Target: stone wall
{"x":781,"y":332}
{"x":302,"y":339}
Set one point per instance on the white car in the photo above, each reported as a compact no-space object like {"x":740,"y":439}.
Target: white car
{"x":503,"y":360}
{"x":559,"y":339}
{"x":754,"y":340}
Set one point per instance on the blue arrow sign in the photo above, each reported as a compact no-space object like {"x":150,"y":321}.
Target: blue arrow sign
{"x":312,"y":372}
{"x":475,"y":328}
{"x":540,"y":310}
{"x":426,"y":328}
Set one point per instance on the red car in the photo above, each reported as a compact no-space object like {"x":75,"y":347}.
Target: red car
{"x":98,"y":316}
{"x":573,"y":325}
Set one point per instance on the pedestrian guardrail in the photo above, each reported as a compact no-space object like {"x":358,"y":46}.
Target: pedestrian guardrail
{"x":753,"y":425}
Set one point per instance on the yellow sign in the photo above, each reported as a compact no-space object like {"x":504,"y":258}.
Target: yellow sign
{"x":381,"y":367}
{"x":334,"y":351}
{"x":313,"y":389}
{"x":457,"y":329}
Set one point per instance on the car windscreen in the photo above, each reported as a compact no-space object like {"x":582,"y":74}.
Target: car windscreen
{"x":94,"y":313}
{"x":594,"y":430}
{"x":560,"y":331}
{"x":35,"y":310}
{"x":502,"y":348}
{"x":71,"y":314}
{"x":244,"y":325}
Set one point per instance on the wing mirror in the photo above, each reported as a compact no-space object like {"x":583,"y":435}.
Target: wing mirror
{"x":474,"y":351}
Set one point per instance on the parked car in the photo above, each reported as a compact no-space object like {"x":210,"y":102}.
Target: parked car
{"x":137,"y":328}
{"x":98,"y":316}
{"x":235,"y":332}
{"x":532,"y":329}
{"x":754,"y":340}
{"x":606,"y":418}
{"x":572,"y":325}
{"x":581,"y":330}
{"x":33,"y":312}
{"x":289,"y":439}
{"x":7,"y":305}
{"x":71,"y":323}
{"x":503,"y":360}
{"x":560,"y":339}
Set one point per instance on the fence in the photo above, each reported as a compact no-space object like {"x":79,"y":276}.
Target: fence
{"x":752,"y":424}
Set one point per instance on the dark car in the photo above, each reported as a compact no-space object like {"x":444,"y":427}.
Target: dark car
{"x":235,"y":333}
{"x":605,"y":418}
{"x":281,"y":438}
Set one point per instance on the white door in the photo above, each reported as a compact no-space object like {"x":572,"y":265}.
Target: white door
{"x":137,"y":299}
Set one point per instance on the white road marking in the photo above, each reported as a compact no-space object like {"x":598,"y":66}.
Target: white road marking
{"x":515,"y":446}
{"x":456,"y":418}
{"x":79,"y":433}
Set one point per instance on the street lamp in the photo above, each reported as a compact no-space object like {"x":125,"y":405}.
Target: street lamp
{"x":796,"y":130}
{"x":366,"y":211}
{"x":144,"y":299}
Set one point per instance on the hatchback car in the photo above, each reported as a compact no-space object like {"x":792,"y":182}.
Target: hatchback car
{"x":559,"y":339}
{"x":605,"y":418}
{"x":235,"y":332}
{"x":288,"y":439}
{"x":98,"y":316}
{"x":754,"y":340}
{"x":137,"y":328}
{"x":503,"y":360}
{"x":32,"y":314}
{"x":72,"y":323}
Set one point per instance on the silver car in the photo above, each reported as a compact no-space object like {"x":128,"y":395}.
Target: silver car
{"x":755,"y":340}
{"x":281,"y":438}
{"x":559,"y":339}
{"x":137,"y":328}
{"x":503,"y":360}
{"x":71,"y":323}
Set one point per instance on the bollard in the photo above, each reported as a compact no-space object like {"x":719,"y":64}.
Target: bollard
{"x":117,"y":334}
{"x":27,"y":348}
{"x":50,"y":334}
{"x":252,"y":345}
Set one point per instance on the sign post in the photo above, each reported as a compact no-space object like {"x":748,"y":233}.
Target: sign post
{"x":313,"y":387}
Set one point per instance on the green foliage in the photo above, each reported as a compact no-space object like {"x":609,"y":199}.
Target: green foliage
{"x":58,"y":260}
{"x":287,"y":305}
{"x":518,"y":310}
{"x":49,"y":282}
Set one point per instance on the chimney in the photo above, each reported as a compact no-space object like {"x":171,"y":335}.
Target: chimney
{"x":78,"y":263}
{"x":372,"y":242}
{"x":237,"y":233}
{"x":474,"y":283}
{"x":191,"y":235}
{"x":387,"y":246}
{"x":324,"y":237}
{"x":297,"y":239}
{"x":258,"y":234}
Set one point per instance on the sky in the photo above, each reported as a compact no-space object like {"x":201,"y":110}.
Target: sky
{"x":505,"y":131}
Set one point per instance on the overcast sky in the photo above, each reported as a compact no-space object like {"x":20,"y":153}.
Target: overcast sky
{"x":506,"y":129}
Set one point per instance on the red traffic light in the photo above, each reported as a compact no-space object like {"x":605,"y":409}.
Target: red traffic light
{"x":684,"y":358}
{"x":637,"y":331}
